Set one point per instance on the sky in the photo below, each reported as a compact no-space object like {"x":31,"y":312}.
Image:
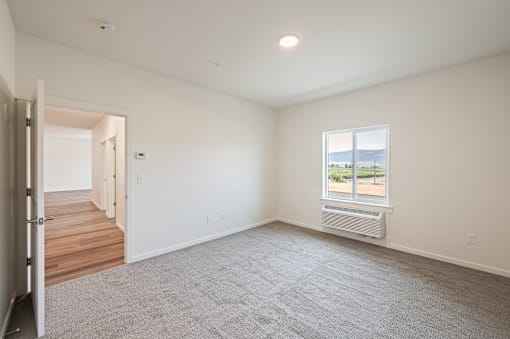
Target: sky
{"x":370,"y":140}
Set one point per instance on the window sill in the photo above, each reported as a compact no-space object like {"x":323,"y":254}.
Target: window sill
{"x":358,"y":204}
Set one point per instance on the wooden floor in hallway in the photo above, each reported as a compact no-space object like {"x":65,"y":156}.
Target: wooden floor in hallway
{"x":80,"y":240}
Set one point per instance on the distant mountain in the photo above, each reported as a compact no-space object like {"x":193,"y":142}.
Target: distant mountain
{"x":362,"y":156}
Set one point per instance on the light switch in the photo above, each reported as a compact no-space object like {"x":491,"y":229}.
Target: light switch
{"x":140,"y":155}
{"x":140,"y":179}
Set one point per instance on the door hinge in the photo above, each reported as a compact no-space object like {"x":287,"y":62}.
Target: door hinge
{"x":28,"y":122}
{"x":114,"y":176}
{"x":29,"y":192}
{"x":114,"y":204}
{"x":29,"y":261}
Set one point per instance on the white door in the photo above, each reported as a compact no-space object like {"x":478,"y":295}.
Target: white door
{"x":35,"y":203}
{"x":111,"y":177}
{"x":104,"y":173}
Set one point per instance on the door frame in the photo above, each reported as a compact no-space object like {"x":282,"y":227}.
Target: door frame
{"x":127,"y":114}
{"x":35,"y":203}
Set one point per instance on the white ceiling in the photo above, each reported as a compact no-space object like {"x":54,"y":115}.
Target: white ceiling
{"x":70,"y":118}
{"x":345,"y":44}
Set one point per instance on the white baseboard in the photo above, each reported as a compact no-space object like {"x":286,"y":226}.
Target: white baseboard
{"x":199,"y":241}
{"x":426,"y":254}
{"x":300,"y":224}
{"x":95,"y":203}
{"x":451,"y":260}
{"x":7,"y":316}
{"x":120,"y":227}
{"x":353,"y":236}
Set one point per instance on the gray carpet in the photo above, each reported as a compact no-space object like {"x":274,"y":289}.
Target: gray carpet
{"x":279,"y":281}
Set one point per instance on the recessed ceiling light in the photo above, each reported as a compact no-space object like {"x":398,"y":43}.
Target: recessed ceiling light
{"x":289,"y":40}
{"x":106,"y":26}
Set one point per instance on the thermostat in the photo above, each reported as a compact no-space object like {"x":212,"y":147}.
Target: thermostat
{"x":140,"y":155}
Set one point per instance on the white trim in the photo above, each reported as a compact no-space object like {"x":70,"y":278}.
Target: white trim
{"x":354,"y":236}
{"x":128,"y":114}
{"x":129,"y":225}
{"x":451,"y":260}
{"x":357,"y":129}
{"x":439,"y":257}
{"x":325,"y":163}
{"x":358,"y":204}
{"x":200,"y":240}
{"x":120,"y":227}
{"x":354,"y":174}
{"x":301,"y":224}
{"x":7,"y":317}
{"x":96,"y":204}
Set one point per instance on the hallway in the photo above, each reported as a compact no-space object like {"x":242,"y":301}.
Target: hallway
{"x":80,"y":240}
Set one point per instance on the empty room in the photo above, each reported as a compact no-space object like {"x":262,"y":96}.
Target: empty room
{"x":254,"y":169}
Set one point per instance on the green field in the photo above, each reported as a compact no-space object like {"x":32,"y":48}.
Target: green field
{"x":341,"y":174}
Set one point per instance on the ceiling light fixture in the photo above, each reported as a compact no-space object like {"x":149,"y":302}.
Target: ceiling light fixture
{"x":106,"y":26}
{"x":288,"y":40}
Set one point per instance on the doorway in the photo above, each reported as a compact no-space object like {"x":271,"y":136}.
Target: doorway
{"x":64,"y":231}
{"x":84,"y":181}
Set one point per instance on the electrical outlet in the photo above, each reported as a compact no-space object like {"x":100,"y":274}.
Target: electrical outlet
{"x":221,"y":217}
{"x":471,"y":239}
{"x":209,"y":219}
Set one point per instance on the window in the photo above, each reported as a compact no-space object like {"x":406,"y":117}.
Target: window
{"x":356,"y":165}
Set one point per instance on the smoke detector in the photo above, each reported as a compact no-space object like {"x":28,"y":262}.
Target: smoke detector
{"x":106,"y":26}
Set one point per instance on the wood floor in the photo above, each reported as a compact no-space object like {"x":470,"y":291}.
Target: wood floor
{"x":80,"y":240}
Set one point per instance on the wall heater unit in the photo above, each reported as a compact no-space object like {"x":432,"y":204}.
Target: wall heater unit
{"x":354,"y":220}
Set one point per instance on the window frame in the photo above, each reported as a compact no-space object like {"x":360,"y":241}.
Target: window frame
{"x":325,"y":166}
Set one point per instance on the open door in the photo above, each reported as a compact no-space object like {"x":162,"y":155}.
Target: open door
{"x":35,"y":202}
{"x":104,"y":173}
{"x":111,"y":177}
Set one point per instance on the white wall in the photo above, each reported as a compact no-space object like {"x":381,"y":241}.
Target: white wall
{"x":7,"y":47}
{"x":7,"y":229}
{"x":207,"y":153}
{"x":67,"y":159}
{"x":7,"y":217}
{"x":108,"y":127}
{"x":449,"y":159}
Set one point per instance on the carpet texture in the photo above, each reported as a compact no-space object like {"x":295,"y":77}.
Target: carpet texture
{"x":279,"y":281}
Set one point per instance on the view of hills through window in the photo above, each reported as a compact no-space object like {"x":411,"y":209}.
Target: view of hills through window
{"x":368,"y":164}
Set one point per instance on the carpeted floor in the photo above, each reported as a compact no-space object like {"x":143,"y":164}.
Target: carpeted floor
{"x":279,"y":281}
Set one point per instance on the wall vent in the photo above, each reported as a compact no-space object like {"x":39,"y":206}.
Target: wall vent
{"x":354,"y":220}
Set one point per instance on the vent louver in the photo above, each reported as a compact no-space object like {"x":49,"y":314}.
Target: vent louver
{"x":354,"y":220}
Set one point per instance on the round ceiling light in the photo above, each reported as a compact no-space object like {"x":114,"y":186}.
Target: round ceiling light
{"x":288,"y":40}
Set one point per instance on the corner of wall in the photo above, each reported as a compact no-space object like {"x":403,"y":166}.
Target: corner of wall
{"x":7,"y":48}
